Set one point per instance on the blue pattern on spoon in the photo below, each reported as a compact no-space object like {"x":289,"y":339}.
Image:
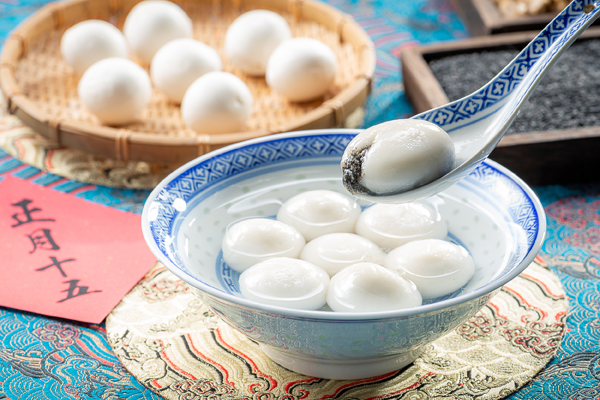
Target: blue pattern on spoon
{"x":477,"y":122}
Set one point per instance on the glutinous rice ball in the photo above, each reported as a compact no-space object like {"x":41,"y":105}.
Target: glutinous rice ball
{"x":301,"y":69}
{"x":115,"y":90}
{"x":179,"y":63}
{"x":152,"y":24}
{"x":91,"y":41}
{"x":217,"y":102}
{"x":252,"y":37}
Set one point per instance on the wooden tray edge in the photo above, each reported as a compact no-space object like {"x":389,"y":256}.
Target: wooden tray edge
{"x":482,"y":18}
{"x":539,"y":158}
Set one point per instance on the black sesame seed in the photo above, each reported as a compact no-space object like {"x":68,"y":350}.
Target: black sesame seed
{"x":352,"y":172}
{"x":567,"y":97}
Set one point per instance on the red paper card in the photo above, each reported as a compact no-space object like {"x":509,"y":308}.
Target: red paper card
{"x":66,"y":257}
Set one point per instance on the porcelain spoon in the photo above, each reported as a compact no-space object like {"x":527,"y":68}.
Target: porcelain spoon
{"x":477,"y":122}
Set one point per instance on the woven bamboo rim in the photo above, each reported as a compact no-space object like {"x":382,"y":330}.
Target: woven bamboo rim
{"x":42,"y":90}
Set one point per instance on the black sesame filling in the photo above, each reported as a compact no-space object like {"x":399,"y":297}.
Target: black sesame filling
{"x":352,"y":172}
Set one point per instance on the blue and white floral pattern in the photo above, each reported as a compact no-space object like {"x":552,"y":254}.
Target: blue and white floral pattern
{"x":208,"y":172}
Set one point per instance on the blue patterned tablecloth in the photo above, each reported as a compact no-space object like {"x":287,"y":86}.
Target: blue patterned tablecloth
{"x":45,"y":358}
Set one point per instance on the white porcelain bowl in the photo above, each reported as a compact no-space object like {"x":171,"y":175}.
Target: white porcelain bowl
{"x":491,"y":212}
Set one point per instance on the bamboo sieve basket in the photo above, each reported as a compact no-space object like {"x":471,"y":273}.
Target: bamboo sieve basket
{"x":42,"y":90}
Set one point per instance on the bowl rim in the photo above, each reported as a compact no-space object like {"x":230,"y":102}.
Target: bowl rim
{"x":327,"y":315}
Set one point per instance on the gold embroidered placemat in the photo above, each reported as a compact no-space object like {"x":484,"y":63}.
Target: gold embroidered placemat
{"x":24,"y":144}
{"x":177,"y":347}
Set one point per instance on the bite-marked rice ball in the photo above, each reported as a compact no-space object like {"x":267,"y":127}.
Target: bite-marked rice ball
{"x":285,"y":282}
{"x":366,"y":287}
{"x":90,"y":41}
{"x":115,"y":90}
{"x":301,"y":69}
{"x":153,"y":23}
{"x":252,"y":38}
{"x":397,"y":156}
{"x":179,"y":63}
{"x":319,"y":212}
{"x":251,"y":241}
{"x":437,"y":267}
{"x":217,"y":102}
{"x":336,"y":251}
{"x":392,"y":225}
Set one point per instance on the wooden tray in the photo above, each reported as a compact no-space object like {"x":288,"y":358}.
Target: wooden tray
{"x":42,"y":91}
{"x":482,"y":17}
{"x":539,"y":158}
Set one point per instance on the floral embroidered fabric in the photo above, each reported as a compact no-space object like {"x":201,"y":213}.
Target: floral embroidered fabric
{"x":177,"y":347}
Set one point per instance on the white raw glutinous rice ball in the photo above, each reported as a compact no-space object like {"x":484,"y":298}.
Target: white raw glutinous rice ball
{"x":258,"y":239}
{"x":336,"y":251}
{"x":90,"y":41}
{"x":396,"y":156}
{"x":286,"y":282}
{"x":217,"y":102}
{"x":301,"y":69}
{"x":252,"y":37}
{"x":179,"y":63}
{"x":392,"y":225}
{"x":319,"y":212}
{"x":152,"y":24}
{"x":367,"y":287}
{"x":437,"y":267}
{"x":115,"y":90}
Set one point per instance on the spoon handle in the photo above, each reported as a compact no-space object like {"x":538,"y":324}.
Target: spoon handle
{"x":518,"y":79}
